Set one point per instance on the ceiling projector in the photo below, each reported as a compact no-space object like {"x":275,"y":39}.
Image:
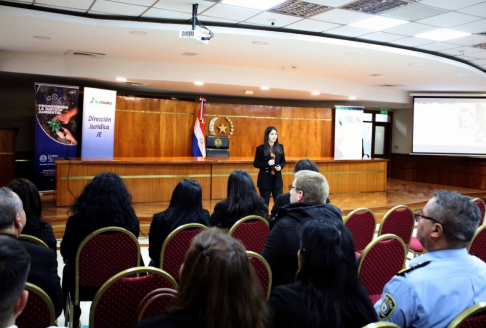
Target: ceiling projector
{"x":195,"y":35}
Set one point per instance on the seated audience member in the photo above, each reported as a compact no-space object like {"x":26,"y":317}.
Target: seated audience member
{"x":308,"y":193}
{"x":284,"y":199}
{"x":243,"y":200}
{"x":35,"y":226}
{"x":185,"y":207}
{"x":444,"y":281}
{"x":218,"y":288}
{"x":14,"y":268}
{"x":327,"y":292}
{"x":43,"y":261}
{"x":104,"y":202}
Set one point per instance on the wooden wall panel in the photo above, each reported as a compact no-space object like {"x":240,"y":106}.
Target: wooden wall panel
{"x":7,"y":156}
{"x":163,"y":128}
{"x":464,"y":172}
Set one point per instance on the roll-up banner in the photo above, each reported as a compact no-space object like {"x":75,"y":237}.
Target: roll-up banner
{"x":348,"y":132}
{"x":56,"y":129}
{"x":98,"y":123}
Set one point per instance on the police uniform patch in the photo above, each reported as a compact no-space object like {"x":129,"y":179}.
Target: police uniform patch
{"x":387,"y":307}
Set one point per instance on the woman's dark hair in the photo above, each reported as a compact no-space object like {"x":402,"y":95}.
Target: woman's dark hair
{"x":334,"y":297}
{"x":105,"y":201}
{"x":242,"y":195}
{"x":276,"y":146}
{"x":305,"y":164}
{"x":186,"y":200}
{"x":30,"y":197}
{"x":218,"y":286}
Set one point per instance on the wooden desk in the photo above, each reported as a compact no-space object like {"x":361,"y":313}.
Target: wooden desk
{"x":152,"y":179}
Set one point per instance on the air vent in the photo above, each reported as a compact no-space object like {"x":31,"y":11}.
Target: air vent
{"x":84,"y":54}
{"x":480,"y":45}
{"x":388,"y":85}
{"x":298,"y":8}
{"x":377,"y":6}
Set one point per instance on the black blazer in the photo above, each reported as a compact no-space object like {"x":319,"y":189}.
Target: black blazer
{"x":265,"y":175}
{"x":43,"y":273}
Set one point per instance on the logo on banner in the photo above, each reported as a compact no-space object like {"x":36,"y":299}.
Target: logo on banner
{"x":43,"y":158}
{"x":99,"y":102}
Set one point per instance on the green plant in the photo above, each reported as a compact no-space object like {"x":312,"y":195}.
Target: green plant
{"x":55,"y":125}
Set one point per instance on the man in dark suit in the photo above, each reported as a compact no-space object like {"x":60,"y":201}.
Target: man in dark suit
{"x":43,"y":266}
{"x":14,"y":267}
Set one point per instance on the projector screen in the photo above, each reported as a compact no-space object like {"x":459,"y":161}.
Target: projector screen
{"x":449,"y":126}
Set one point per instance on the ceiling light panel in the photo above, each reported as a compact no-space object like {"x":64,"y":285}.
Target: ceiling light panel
{"x":414,"y":12}
{"x":442,"y":34}
{"x":299,"y":8}
{"x":253,"y":4}
{"x":378,"y":23}
{"x":376,"y":7}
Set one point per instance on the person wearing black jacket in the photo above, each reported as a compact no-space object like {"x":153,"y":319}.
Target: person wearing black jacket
{"x":270,"y":159}
{"x":308,"y":193}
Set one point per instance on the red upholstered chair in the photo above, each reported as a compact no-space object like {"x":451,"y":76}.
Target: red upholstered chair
{"x":155,"y":303}
{"x":175,"y":246}
{"x":39,"y":311}
{"x":33,"y":240}
{"x":482,"y":208}
{"x":399,"y":221}
{"x":101,"y":255}
{"x":252,"y":231}
{"x":362,"y":224}
{"x":116,"y":303}
{"x":472,"y":317}
{"x":263,"y":271}
{"x":381,"y":260}
{"x":478,"y":243}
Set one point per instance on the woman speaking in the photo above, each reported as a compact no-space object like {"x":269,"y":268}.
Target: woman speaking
{"x":270,"y":159}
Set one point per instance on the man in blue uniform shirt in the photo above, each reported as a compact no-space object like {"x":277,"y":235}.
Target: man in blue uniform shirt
{"x":446,"y":280}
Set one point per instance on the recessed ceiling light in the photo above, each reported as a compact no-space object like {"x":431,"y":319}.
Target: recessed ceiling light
{"x":352,"y":98}
{"x":121,"y":79}
{"x":315,"y":93}
{"x":253,"y":4}
{"x":259,"y":43}
{"x":199,"y":83}
{"x":378,"y":23}
{"x":265,"y":87}
{"x":415,"y":64}
{"x":41,"y":37}
{"x":138,"y":32}
{"x":441,"y":34}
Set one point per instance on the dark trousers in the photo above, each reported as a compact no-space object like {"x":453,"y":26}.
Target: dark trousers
{"x":265,"y":193}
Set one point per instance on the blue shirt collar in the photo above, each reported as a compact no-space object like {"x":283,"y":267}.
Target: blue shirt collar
{"x":439,"y":255}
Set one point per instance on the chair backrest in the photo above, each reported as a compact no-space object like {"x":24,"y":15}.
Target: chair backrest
{"x":117,"y":301}
{"x":381,"y":260}
{"x":155,"y":303}
{"x":382,"y":324}
{"x":482,"y":209}
{"x":175,"y":246}
{"x":362,"y":224}
{"x":39,"y":311}
{"x":399,"y":221}
{"x":478,"y":243}
{"x":33,"y":240}
{"x":263,"y":271}
{"x":472,"y":317}
{"x":252,"y":231}
{"x":103,"y":254}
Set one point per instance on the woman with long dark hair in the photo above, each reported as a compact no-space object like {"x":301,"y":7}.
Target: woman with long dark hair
{"x":104,"y":202}
{"x":185,"y":207}
{"x":35,"y":224}
{"x":270,"y":159}
{"x":327,"y":292}
{"x":243,"y":200}
{"x":218,"y":288}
